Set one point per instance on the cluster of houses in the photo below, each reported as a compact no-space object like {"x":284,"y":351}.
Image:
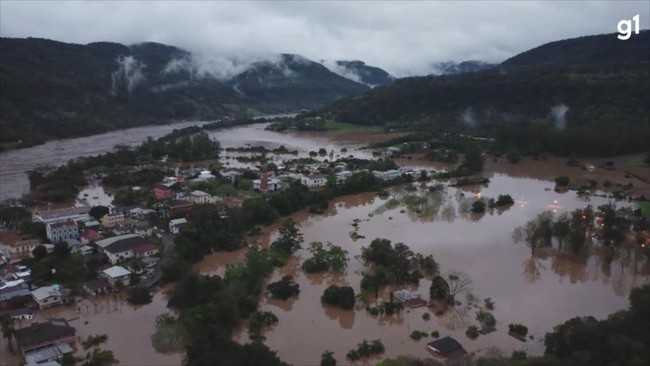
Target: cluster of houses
{"x":21,"y":299}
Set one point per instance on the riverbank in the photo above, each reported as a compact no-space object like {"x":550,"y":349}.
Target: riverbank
{"x":552,"y":167}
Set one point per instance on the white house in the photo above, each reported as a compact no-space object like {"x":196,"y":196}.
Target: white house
{"x":49,"y":296}
{"x":313,"y":181}
{"x":123,"y":247}
{"x":204,"y":176}
{"x":117,"y":273}
{"x":65,"y":214}
{"x":61,"y":231}
{"x":176,"y":224}
{"x":199,"y":197}
{"x":387,"y":175}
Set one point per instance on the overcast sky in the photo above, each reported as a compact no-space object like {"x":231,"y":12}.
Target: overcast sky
{"x":401,"y":37}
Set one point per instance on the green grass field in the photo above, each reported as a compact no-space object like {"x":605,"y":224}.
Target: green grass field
{"x":340,"y":126}
{"x":636,"y":162}
{"x":644,"y":206}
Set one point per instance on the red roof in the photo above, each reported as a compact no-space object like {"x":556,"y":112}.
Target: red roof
{"x":232,"y":200}
{"x":145,"y":248}
{"x":91,"y":235}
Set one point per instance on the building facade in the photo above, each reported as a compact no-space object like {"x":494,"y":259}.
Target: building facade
{"x":62,"y":231}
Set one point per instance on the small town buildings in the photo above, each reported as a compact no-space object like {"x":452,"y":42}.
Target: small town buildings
{"x":162,"y":192}
{"x":387,"y":175}
{"x":49,"y":296}
{"x":98,"y":286}
{"x":60,"y":231}
{"x":79,"y":214}
{"x":123,"y":247}
{"x":89,"y":236}
{"x":231,"y":175}
{"x":176,"y":224}
{"x":314,"y":181}
{"x":204,"y":176}
{"x":116,"y":275}
{"x":342,"y":176}
{"x":199,"y":197}
{"x":112,"y":219}
{"x":447,"y":347}
{"x":122,"y":229}
{"x":19,"y":314}
{"x":392,"y":151}
{"x":177,"y":208}
{"x":409,"y":298}
{"x":232,"y":202}
{"x":42,"y":342}
{"x":92,"y":225}
{"x":266,"y":184}
{"x":11,"y":290}
{"x":15,"y":247}
{"x":146,"y":250}
{"x":142,"y":228}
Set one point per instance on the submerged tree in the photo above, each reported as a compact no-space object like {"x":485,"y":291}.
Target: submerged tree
{"x":290,"y":239}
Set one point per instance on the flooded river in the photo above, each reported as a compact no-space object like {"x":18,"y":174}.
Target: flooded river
{"x":539,"y":289}
{"x":15,"y":163}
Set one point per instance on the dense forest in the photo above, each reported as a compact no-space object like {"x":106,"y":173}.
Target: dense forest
{"x":52,"y":89}
{"x":586,"y":95}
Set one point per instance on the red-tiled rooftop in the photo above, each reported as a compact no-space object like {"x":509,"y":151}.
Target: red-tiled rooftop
{"x":145,"y":248}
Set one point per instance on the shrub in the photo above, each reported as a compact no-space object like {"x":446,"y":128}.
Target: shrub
{"x":416,"y":335}
{"x":478,"y":206}
{"x":366,"y":349}
{"x":435,"y":334}
{"x":518,"y":329}
{"x":489,"y":304}
{"x":486,"y":318}
{"x":327,"y":359}
{"x":426,"y":316}
{"x":562,"y":180}
{"x":284,"y":289}
{"x":504,"y":200}
{"x":339,"y":296}
{"x":519,"y":355}
{"x":472,"y":332}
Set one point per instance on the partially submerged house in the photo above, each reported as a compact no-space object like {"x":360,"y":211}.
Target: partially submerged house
{"x":117,"y":275}
{"x":43,"y":342}
{"x":447,"y":347}
{"x":409,"y":298}
{"x":97,"y":286}
{"x":49,"y":296}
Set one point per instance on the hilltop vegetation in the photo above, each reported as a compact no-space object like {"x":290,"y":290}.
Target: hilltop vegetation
{"x":585,"y":95}
{"x":54,"y":90}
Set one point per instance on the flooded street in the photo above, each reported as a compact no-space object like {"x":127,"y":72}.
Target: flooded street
{"x":129,"y":328}
{"x":539,"y":290}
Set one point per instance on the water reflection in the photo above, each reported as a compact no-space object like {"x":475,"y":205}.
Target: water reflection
{"x":345,"y":317}
{"x":513,"y":275}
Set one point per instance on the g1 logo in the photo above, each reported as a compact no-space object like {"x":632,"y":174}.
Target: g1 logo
{"x":625,"y":28}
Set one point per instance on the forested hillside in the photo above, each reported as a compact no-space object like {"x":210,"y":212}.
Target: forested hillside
{"x":586,"y":95}
{"x":52,"y":89}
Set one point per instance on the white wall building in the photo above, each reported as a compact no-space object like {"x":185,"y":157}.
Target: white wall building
{"x":199,"y":197}
{"x":175,"y":225}
{"x":313,"y":181}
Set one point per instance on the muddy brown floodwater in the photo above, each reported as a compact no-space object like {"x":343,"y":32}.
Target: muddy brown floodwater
{"x":129,"y":328}
{"x":539,"y":289}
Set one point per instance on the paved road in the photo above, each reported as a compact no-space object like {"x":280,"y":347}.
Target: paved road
{"x":168,"y":245}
